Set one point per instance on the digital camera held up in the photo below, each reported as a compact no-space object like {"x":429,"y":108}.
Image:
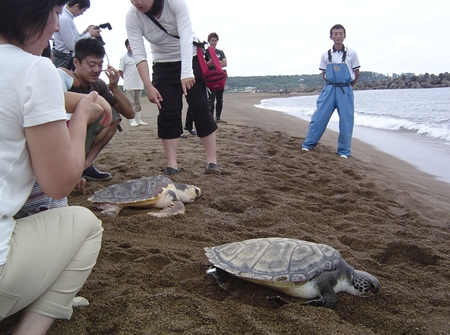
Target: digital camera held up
{"x":102,"y":26}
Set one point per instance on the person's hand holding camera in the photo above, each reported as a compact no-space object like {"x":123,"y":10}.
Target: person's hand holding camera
{"x":94,"y":31}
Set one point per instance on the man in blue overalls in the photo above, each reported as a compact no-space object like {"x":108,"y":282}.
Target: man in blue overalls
{"x":340,"y":69}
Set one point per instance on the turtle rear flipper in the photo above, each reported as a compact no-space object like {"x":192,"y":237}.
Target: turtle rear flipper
{"x":173,"y":208}
{"x":277,"y":301}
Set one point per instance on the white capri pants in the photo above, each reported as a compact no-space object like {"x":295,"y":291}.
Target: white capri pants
{"x":51,"y":255}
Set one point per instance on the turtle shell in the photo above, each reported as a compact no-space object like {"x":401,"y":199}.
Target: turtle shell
{"x":132,"y":191}
{"x":274,"y":259}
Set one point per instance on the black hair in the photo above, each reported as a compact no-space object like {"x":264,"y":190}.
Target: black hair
{"x":336,"y":26}
{"x":157,"y":7}
{"x":213,"y":35}
{"x":21,"y":19}
{"x":127,"y":42}
{"x":81,"y":3}
{"x":91,"y":46}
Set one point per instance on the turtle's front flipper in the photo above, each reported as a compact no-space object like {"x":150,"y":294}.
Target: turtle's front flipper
{"x":223,"y":278}
{"x":110,"y":209}
{"x":174,"y":208}
{"x":328,"y":299}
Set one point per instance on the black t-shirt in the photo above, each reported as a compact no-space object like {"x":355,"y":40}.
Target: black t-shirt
{"x":100,"y":87}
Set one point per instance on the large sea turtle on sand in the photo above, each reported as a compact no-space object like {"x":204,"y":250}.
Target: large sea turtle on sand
{"x":146,"y":192}
{"x":299,"y":268}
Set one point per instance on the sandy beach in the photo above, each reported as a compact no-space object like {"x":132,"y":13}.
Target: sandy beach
{"x":382,"y":214}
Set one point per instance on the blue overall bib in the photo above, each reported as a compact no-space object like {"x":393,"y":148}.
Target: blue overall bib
{"x":337,"y":94}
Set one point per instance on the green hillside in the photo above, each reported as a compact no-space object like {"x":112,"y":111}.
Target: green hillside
{"x":277,"y":83}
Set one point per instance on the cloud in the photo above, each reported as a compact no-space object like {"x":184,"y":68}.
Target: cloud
{"x":288,"y":37}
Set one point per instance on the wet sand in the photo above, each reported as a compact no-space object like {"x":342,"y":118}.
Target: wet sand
{"x":383,"y":215}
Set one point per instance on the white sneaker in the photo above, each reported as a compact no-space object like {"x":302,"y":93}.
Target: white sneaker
{"x":305,"y":149}
{"x":80,"y":301}
{"x":133,"y":123}
{"x":141,"y":123}
{"x":343,"y":156}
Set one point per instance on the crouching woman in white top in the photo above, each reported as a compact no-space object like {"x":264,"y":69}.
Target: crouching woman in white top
{"x":44,"y":258}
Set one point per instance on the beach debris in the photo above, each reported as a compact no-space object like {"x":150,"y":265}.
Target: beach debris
{"x":298,"y":268}
{"x":146,"y":192}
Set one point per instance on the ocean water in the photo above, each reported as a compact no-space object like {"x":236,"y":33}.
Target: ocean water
{"x":413,"y":124}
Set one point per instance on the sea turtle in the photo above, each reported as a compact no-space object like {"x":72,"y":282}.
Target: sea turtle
{"x":298,"y":268}
{"x":146,"y":192}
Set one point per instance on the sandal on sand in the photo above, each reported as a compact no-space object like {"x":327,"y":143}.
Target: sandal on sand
{"x":212,"y":168}
{"x":169,"y":171}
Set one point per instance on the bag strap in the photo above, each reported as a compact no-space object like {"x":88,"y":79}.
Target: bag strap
{"x":160,"y":26}
{"x":344,"y":55}
{"x":155,"y":21}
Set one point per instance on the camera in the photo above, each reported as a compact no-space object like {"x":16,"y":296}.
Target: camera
{"x":102,"y":26}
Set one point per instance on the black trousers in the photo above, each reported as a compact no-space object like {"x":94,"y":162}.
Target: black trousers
{"x":189,"y":124}
{"x":216,"y":96}
{"x":166,"y":79}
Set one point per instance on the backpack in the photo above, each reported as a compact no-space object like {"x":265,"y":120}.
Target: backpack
{"x":214,"y":76}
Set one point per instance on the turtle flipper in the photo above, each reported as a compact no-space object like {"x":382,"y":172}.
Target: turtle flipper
{"x":223,"y":278}
{"x":109,"y":209}
{"x":329,"y":300}
{"x":173,"y":208}
{"x":277,"y":301}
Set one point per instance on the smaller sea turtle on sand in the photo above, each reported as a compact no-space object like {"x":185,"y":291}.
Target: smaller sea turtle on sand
{"x":146,"y":192}
{"x":298,"y":268}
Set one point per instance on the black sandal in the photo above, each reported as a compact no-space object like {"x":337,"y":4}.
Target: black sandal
{"x":212,"y":168}
{"x":169,"y":171}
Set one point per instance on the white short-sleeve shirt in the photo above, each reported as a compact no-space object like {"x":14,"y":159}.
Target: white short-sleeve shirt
{"x":32,"y":98}
{"x":351,"y":59}
{"x":131,"y":79}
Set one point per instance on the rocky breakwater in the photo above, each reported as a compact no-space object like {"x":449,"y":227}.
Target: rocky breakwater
{"x":403,"y":81}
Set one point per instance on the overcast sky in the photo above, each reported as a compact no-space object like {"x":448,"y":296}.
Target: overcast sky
{"x":287,"y":37}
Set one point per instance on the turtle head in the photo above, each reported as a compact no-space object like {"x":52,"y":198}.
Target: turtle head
{"x":187,"y":193}
{"x":363,"y":284}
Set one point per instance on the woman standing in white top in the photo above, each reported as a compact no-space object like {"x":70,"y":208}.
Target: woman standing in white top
{"x":175,"y":72}
{"x":45,"y":258}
